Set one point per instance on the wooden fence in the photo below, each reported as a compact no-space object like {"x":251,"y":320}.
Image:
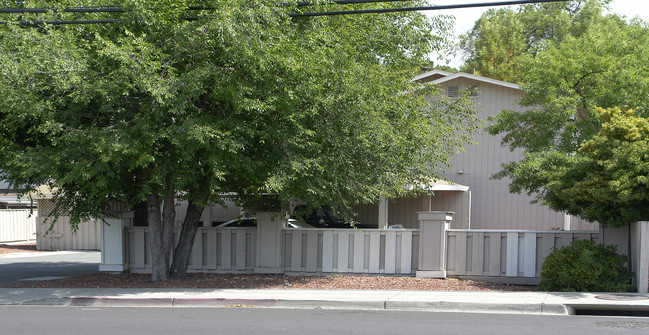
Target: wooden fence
{"x":220,"y":250}
{"x":62,"y":237}
{"x":479,"y":253}
{"x":348,"y":250}
{"x":506,"y":253}
{"x":16,"y":225}
{"x":233,"y":250}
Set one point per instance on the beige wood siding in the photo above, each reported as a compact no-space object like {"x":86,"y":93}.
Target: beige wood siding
{"x":492,"y":206}
{"x":403,"y":211}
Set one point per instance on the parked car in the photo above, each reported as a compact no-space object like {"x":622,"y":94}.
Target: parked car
{"x":252,"y":222}
{"x":324,"y":218}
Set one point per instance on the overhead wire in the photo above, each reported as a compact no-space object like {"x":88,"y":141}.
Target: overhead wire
{"x":119,"y":9}
{"x":421,"y":8}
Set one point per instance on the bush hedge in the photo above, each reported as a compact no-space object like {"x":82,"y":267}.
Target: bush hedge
{"x":585,"y":266}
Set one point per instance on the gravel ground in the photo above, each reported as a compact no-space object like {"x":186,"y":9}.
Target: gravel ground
{"x":223,"y":281}
{"x":12,"y":248}
{"x":242,"y":281}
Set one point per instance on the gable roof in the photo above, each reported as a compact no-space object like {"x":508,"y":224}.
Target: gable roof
{"x":440,"y":77}
{"x":436,"y":74}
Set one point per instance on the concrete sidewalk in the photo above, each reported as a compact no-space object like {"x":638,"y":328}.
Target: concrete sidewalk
{"x":552,"y":303}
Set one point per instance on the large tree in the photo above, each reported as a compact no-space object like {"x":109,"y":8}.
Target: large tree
{"x":500,"y":37}
{"x":606,"y":180}
{"x":242,"y":99}
{"x":607,"y":67}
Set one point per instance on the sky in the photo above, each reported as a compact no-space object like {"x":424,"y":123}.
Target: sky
{"x":465,"y":17}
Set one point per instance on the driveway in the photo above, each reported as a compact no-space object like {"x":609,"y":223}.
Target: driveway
{"x":24,"y":267}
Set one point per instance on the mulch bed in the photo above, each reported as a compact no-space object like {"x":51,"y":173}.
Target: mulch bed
{"x":256,"y":281}
{"x":12,"y":248}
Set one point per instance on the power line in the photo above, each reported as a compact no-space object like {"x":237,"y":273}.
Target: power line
{"x":89,"y":9}
{"x":118,"y":9}
{"x":422,"y":8}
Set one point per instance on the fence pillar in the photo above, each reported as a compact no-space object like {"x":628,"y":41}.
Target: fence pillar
{"x":112,"y":243}
{"x":383,"y":213}
{"x":640,"y":254}
{"x":432,"y":243}
{"x":270,"y":250}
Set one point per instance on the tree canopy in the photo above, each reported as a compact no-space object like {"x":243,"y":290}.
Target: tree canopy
{"x":500,"y":37}
{"x":606,"y":67}
{"x":607,"y":180}
{"x":245,"y":99}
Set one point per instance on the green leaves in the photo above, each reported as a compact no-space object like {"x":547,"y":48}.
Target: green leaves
{"x":245,"y":99}
{"x":605,"y":181}
{"x":582,"y":139}
{"x":585,"y":266}
{"x":502,"y":37}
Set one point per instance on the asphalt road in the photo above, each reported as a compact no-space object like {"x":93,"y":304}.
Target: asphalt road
{"x":76,"y":320}
{"x":19,"y":268}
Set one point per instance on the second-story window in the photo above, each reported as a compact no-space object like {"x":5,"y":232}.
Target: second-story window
{"x":453,"y":91}
{"x":473,"y":90}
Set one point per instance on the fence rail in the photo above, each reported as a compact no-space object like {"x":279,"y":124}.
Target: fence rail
{"x":17,"y":225}
{"x":506,"y":253}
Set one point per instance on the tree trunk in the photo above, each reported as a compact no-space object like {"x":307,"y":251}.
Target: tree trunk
{"x":186,"y":241}
{"x":160,"y":266}
{"x":168,"y":219}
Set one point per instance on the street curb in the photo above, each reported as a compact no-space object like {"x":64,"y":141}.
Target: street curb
{"x":120,"y":302}
{"x":332,"y":304}
{"x":222,"y":302}
{"x":431,"y":306}
{"x":100,"y":301}
{"x":448,"y":306}
{"x":45,"y":302}
{"x":87,"y":301}
{"x":531,"y":304}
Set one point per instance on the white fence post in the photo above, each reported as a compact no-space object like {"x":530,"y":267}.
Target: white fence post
{"x":432,"y":243}
{"x":640,"y":254}
{"x":270,"y":243}
{"x":112,"y":243}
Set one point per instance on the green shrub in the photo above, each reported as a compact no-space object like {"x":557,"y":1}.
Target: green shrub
{"x":585,"y":266}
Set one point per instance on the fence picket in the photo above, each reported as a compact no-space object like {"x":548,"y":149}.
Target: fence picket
{"x":343,"y":251}
{"x":375,"y":251}
{"x":359,"y":251}
{"x":477,"y":258}
{"x":460,"y":253}
{"x":494,"y":253}
{"x":327,"y":250}
{"x":529,"y":260}
{"x":226,"y":249}
{"x":296,"y":250}
{"x":312,"y":251}
{"x":512,"y":255}
{"x":406,"y":252}
{"x":240,"y":249}
{"x":390,"y":252}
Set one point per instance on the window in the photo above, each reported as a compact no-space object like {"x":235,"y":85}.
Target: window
{"x":453,"y":91}
{"x":473,"y":90}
